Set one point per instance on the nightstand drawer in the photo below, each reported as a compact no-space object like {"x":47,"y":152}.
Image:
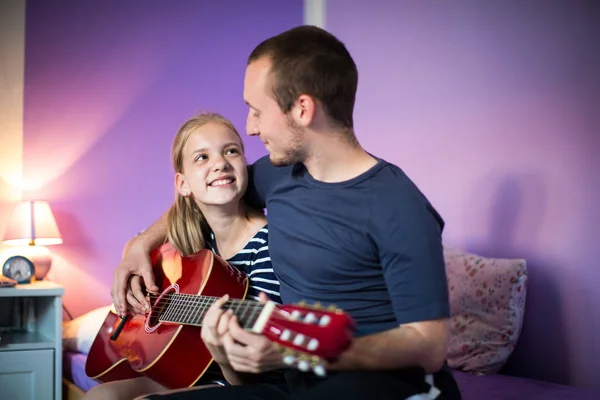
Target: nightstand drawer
{"x":27,"y":374}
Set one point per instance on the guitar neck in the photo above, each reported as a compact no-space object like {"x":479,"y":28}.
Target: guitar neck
{"x":189,"y":309}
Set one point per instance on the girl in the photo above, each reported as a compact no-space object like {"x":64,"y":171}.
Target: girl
{"x":209,"y":212}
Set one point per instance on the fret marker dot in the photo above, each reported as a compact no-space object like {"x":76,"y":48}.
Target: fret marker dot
{"x":325,"y":320}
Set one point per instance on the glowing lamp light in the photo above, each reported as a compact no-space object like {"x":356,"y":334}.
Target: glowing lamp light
{"x":33,"y":224}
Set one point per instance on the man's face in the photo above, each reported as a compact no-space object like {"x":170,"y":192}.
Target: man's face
{"x":282,"y":137}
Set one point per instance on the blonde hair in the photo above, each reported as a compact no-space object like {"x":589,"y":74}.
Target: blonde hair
{"x":187,"y":227}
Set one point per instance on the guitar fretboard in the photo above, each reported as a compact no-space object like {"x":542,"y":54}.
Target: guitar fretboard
{"x":188,"y":309}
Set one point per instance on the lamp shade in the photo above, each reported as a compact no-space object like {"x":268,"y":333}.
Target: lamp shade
{"x":32,"y":223}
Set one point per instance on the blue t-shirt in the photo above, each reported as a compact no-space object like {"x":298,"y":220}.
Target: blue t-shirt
{"x":370,"y":245}
{"x":254,"y":260}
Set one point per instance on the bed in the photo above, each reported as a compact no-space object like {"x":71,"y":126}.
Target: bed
{"x":487,"y":299}
{"x":490,"y":387}
{"x":78,"y":335}
{"x":75,"y":381}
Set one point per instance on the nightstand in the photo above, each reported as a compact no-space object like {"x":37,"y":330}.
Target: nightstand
{"x":31,"y":341}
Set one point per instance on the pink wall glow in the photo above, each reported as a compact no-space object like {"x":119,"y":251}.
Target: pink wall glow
{"x":493,"y":109}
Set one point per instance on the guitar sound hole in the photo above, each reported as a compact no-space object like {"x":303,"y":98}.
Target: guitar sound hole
{"x":153,"y":318}
{"x":159,"y":306}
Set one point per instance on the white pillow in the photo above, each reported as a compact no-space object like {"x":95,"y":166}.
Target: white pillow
{"x":79,"y":333}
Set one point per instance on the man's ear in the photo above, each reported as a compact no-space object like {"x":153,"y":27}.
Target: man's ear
{"x":181,"y":185}
{"x":304,"y":110}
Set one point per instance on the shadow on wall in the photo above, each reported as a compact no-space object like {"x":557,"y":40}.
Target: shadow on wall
{"x":74,"y":237}
{"x":516,"y":207}
{"x":83,"y":289}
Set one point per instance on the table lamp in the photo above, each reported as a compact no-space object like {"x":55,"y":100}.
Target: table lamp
{"x":33,"y":224}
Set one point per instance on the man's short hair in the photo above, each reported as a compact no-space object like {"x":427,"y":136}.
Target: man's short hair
{"x":309,"y":60}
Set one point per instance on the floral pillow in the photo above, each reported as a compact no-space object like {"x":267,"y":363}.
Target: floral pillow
{"x":487,"y":300}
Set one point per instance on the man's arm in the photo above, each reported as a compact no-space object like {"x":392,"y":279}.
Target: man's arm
{"x":418,"y":344}
{"x":136,"y":261}
{"x":155,"y":235}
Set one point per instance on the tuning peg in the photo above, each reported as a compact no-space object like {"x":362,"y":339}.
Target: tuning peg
{"x":317,"y":306}
{"x":289,"y":356}
{"x":303,"y":365}
{"x":299,"y":339}
{"x":285,"y":335}
{"x":295,"y":315}
{"x":325,"y":320}
{"x":301,"y":303}
{"x":319,"y":370}
{"x":310,"y":318}
{"x":289,"y":360}
{"x":317,"y":366}
{"x":313,"y":344}
{"x":332,"y":307}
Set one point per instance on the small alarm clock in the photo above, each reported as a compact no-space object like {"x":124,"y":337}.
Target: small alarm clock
{"x":19,"y":268}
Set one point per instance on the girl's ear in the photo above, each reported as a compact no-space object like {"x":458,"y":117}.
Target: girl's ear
{"x":181,"y":185}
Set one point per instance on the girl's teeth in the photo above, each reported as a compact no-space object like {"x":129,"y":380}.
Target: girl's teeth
{"x":222,"y":182}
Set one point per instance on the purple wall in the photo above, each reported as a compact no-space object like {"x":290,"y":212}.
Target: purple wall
{"x":106,"y":87}
{"x":492,"y":108}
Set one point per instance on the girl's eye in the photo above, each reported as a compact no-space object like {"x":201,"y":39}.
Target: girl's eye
{"x":200,"y":157}
{"x":232,"y":151}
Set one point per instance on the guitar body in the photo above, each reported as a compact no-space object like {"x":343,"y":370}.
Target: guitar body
{"x":173,"y":355}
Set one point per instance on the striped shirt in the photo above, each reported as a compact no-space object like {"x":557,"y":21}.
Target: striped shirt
{"x":255,"y":261}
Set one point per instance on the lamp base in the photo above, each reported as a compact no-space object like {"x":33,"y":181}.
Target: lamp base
{"x":42,"y":264}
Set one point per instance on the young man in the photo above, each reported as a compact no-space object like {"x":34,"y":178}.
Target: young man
{"x":345,"y":228}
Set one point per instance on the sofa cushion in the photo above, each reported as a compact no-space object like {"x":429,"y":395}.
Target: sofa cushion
{"x":502,"y":387}
{"x":487,"y":300}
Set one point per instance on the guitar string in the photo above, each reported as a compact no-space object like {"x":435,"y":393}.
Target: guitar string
{"x":195,"y":318}
{"x":190,"y":298}
{"x":189,"y":308}
{"x":204,"y":306}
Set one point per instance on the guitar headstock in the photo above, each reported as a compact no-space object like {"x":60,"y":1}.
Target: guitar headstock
{"x":309,"y":335}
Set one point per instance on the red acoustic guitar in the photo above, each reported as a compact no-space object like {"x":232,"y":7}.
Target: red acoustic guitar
{"x":165,"y":345}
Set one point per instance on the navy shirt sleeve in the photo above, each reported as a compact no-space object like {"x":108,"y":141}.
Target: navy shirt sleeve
{"x":407,"y":234}
{"x":262,"y":175}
